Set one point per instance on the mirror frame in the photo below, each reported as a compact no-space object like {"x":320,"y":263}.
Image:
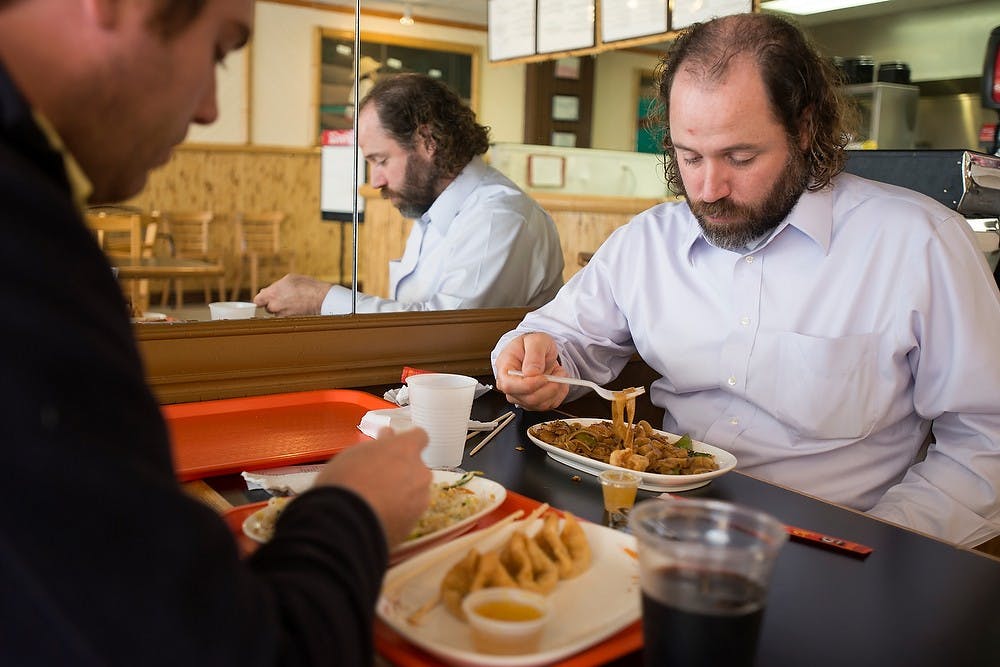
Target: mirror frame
{"x":227,"y":359}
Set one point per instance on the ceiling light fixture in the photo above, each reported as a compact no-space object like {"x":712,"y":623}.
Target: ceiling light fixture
{"x":803,"y":7}
{"x":407,"y":17}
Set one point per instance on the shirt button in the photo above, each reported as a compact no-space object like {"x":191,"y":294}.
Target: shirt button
{"x":732,"y":381}
{"x":745,"y":321}
{"x":734,"y":420}
{"x":749,"y":259}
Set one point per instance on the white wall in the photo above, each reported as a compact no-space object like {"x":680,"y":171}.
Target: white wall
{"x":231,"y":88}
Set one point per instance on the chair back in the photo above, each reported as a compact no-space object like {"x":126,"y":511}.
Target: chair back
{"x":258,"y":243}
{"x":188,"y":232}
{"x":118,"y":234}
{"x":260,"y":232}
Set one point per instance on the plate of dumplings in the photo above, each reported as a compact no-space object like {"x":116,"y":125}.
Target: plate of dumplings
{"x":588,"y":572}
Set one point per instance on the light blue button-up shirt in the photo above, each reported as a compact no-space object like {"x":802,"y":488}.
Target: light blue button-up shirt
{"x":483,"y":244}
{"x":821,"y":357}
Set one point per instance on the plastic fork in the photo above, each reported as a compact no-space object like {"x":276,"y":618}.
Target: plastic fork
{"x":601,"y":391}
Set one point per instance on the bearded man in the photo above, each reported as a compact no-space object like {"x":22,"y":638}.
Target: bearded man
{"x":814,"y":323}
{"x":477,"y":241}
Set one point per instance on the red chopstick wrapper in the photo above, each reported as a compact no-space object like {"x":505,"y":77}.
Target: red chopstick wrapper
{"x":828,"y":542}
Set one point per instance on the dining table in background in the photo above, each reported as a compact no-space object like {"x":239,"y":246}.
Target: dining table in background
{"x":170,"y":268}
{"x":913,"y":601}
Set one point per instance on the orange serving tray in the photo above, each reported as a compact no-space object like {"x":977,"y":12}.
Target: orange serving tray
{"x":402,"y":653}
{"x":231,"y":435}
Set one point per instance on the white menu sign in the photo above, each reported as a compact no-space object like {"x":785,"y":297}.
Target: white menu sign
{"x":564,"y":25}
{"x":511,"y":28}
{"x":624,"y":19}
{"x":687,"y":12}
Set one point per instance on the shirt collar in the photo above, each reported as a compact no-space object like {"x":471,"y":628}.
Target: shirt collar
{"x":80,"y":186}
{"x":812,"y":215}
{"x":446,"y":206}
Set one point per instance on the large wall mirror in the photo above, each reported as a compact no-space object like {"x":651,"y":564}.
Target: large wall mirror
{"x":264,"y":154}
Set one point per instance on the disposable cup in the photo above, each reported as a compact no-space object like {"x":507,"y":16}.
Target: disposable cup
{"x":441,"y":403}
{"x":704,"y":571}
{"x":232,"y":310}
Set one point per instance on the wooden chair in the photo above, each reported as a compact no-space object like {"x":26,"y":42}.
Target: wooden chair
{"x":258,"y":240}
{"x":188,"y":235}
{"x":121,"y":235}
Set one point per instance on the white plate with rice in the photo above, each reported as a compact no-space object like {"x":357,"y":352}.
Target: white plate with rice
{"x":456,"y":511}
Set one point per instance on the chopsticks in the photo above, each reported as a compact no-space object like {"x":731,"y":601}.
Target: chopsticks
{"x":502,"y":421}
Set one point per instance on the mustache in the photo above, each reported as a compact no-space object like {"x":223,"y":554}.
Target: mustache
{"x":721,"y":208}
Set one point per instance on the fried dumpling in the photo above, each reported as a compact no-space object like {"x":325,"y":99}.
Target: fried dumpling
{"x":516,"y":560}
{"x":576,"y":543}
{"x":545,"y":574}
{"x":458,"y":582}
{"x":491,"y":573}
{"x":552,"y":546}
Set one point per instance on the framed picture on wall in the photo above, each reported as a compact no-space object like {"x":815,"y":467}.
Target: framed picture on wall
{"x":566,"y":108}
{"x":564,"y":139}
{"x":567,"y":68}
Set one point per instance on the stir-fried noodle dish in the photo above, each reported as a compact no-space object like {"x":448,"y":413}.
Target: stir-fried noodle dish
{"x":622,"y":443}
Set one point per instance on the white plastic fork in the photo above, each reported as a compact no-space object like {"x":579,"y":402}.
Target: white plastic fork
{"x":601,"y":391}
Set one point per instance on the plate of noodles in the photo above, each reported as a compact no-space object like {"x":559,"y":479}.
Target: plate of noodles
{"x":593,"y":596}
{"x":458,"y":500}
{"x":664,"y":461}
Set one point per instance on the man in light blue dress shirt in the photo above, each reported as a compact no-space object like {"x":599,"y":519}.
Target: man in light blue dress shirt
{"x":477,"y":241}
{"x":814,"y":323}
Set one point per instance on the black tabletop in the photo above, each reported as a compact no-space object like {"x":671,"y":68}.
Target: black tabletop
{"x":914,"y":601}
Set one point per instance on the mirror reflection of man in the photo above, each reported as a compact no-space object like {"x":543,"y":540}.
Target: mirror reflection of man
{"x":477,"y":241}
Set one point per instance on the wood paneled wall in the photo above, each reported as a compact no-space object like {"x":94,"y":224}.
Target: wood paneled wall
{"x":228,"y":179}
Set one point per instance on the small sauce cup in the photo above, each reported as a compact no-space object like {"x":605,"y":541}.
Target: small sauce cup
{"x":619,"y":488}
{"x":506,"y":621}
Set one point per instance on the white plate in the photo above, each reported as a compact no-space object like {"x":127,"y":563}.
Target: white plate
{"x":586,"y":610}
{"x":650,"y":481}
{"x":490,"y":493}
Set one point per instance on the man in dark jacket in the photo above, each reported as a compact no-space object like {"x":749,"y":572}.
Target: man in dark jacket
{"x":103,"y":559}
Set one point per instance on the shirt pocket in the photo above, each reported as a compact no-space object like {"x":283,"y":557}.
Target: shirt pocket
{"x":825,"y":387}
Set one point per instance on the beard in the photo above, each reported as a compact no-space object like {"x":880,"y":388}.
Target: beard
{"x":419,"y":189}
{"x":755,"y":218}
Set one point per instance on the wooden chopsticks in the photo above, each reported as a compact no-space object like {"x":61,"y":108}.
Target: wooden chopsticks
{"x":501,"y":423}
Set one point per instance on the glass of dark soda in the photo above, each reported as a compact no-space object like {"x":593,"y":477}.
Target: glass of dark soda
{"x":704,"y":568}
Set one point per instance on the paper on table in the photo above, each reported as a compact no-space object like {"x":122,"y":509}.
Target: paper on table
{"x":286,"y":480}
{"x":398,"y":419}
{"x":401,"y":396}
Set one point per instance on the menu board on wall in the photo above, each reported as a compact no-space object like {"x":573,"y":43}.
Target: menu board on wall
{"x":687,"y":12}
{"x":564,"y":25}
{"x":511,"y":28}
{"x":625,"y":19}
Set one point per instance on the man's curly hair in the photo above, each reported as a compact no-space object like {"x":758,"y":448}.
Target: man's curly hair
{"x":412,"y":106}
{"x":803,"y":88}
